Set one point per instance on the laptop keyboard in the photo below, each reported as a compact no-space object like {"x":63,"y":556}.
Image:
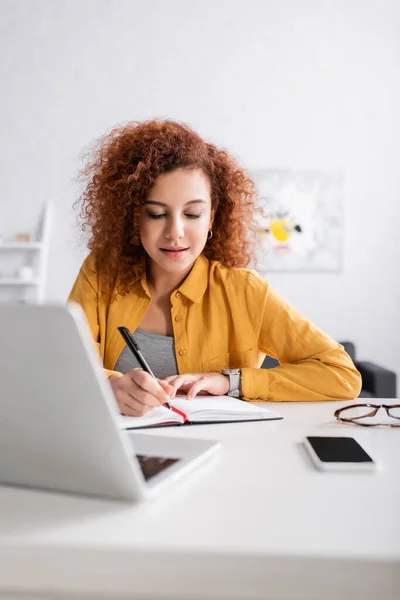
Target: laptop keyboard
{"x":152,"y":465}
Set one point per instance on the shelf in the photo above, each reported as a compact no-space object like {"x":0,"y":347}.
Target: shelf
{"x":35,"y":253}
{"x":15,"y":281}
{"x":20,"y":245}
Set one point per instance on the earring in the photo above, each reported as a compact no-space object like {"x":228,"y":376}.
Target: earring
{"x":209,"y":235}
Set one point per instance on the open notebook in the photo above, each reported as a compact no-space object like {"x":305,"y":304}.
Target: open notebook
{"x":203,"y":409}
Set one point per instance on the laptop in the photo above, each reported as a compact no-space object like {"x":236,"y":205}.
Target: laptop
{"x":58,"y":414}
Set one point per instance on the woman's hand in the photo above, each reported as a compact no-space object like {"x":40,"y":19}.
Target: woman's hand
{"x":137,"y":392}
{"x":199,"y":383}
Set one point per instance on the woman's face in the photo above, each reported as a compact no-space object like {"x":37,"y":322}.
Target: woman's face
{"x":175,"y":219}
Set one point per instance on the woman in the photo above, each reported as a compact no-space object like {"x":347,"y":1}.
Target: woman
{"x":169,"y":217}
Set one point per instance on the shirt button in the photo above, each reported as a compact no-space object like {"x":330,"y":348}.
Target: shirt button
{"x":182,"y":352}
{"x":178,"y":294}
{"x":178,"y":318}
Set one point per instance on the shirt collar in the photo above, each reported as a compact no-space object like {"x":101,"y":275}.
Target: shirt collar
{"x":196,"y":282}
{"x":139,"y":274}
{"x":194,"y":285}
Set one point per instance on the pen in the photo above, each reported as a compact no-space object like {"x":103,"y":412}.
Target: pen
{"x":134,"y":348}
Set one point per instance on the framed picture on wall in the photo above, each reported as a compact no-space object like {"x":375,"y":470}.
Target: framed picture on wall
{"x":300,"y":226}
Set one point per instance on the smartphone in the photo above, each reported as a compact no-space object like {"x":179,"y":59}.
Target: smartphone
{"x":338,"y":454}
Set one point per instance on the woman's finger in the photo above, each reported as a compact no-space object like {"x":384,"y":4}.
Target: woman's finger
{"x":170,"y":378}
{"x":182,"y":380}
{"x":147,"y":398}
{"x":130,"y":406}
{"x":167,"y":387}
{"x":198,"y":386}
{"x":127,"y":411}
{"x":148,"y":385}
{"x":129,"y":391}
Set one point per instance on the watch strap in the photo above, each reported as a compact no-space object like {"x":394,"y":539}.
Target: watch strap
{"x":234,"y":376}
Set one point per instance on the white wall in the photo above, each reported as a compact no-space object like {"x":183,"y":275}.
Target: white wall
{"x":310,"y":84}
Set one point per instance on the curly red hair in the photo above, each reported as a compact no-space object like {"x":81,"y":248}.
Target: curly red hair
{"x":121,"y":168}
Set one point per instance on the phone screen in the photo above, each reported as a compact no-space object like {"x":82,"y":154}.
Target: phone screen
{"x":339,"y":449}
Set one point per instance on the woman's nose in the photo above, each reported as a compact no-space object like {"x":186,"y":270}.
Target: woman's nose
{"x":174,"y":230}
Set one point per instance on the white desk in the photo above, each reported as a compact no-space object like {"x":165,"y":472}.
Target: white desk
{"x":257,"y":522}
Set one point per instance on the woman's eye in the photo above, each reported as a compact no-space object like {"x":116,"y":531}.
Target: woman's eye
{"x":156,"y":215}
{"x":161,"y":215}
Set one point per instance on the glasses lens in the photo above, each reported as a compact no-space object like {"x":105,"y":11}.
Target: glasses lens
{"x":356,"y":412}
{"x":394,"y":411}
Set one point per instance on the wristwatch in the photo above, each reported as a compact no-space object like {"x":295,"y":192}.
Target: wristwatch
{"x":234,"y":381}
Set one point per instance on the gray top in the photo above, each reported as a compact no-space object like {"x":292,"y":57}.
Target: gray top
{"x":158,"y":350}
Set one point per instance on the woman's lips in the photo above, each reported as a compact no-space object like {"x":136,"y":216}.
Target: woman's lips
{"x":174,"y":253}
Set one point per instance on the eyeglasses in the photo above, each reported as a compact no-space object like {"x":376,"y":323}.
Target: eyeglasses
{"x":355,"y":412}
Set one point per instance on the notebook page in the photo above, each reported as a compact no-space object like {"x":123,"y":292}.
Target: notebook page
{"x":156,"y":416}
{"x":222,"y":408}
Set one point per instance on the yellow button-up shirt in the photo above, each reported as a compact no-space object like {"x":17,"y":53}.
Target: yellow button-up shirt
{"x":227,"y":318}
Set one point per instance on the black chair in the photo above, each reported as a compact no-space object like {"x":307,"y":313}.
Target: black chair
{"x":377,"y":382}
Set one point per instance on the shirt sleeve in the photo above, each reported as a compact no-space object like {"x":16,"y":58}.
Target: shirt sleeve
{"x":85,"y":293}
{"x":312,"y":366}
